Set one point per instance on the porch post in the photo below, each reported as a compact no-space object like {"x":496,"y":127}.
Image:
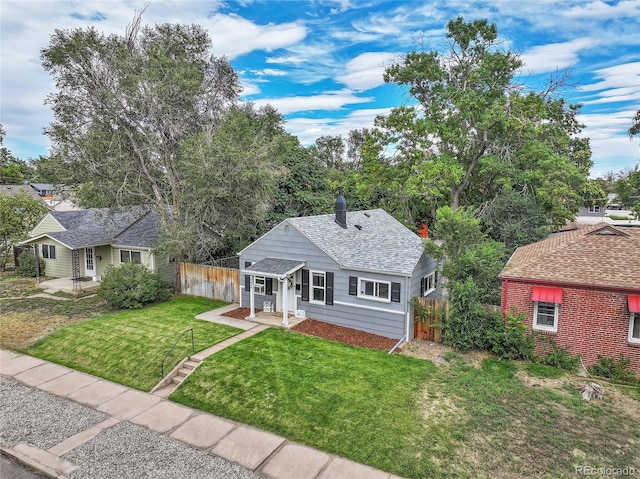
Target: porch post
{"x":285,"y":289}
{"x":252,"y":301}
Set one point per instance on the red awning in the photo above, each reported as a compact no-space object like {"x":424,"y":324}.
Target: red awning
{"x":634,"y":304}
{"x":547,"y":294}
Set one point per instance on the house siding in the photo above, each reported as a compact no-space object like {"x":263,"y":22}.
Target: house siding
{"x":47,"y":225}
{"x":285,"y":241}
{"x":167,"y":270}
{"x":59,"y":267}
{"x":590,"y":322}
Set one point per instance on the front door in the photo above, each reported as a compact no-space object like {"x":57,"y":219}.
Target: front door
{"x":89,"y":265}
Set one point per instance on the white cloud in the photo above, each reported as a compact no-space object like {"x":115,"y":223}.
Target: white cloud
{"x":365,"y":71}
{"x":309,"y":129}
{"x":233,"y":35}
{"x":554,"y":56}
{"x":601,"y":10}
{"x":328,"y":102}
{"x":609,"y":139}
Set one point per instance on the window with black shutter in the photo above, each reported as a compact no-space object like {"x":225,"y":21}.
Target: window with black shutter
{"x":395,"y":292}
{"x":305,"y":285}
{"x":247,"y":277}
{"x":329,"y":287}
{"x":353,"y":285}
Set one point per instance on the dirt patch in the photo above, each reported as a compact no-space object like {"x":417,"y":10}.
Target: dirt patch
{"x":240,"y":313}
{"x":344,"y":335}
{"x":436,"y":352}
{"x":21,"y":330}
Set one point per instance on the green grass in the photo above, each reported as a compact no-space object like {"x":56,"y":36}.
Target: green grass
{"x":128,"y":346}
{"x":408,"y":417}
{"x":354,"y":402}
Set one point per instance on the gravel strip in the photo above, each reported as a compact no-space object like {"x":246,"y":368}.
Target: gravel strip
{"x":38,"y":418}
{"x":131,"y":451}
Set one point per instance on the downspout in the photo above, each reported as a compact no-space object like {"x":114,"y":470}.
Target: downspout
{"x":397,"y":345}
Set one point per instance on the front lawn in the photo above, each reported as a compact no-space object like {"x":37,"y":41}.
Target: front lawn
{"x":128,"y":346}
{"x":406,"y":416}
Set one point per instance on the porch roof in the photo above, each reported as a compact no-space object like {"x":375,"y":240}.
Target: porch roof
{"x":274,"y":267}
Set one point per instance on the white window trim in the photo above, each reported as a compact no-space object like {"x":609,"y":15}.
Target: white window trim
{"x":535,"y":325}
{"x":257,"y":287}
{"x":631,"y":319}
{"x":312,"y":287}
{"x":48,"y":257}
{"x":362,"y":295}
{"x":427,"y":292}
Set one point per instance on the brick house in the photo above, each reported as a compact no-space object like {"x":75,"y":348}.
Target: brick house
{"x":582,"y":288}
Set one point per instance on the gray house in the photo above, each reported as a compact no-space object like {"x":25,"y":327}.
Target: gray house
{"x":358,"y":269}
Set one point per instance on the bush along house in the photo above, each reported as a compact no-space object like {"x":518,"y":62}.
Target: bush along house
{"x":583,"y":289}
{"x":356,"y":269}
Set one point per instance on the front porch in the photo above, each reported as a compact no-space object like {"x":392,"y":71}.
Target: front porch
{"x":275,"y":319}
{"x":67,"y":285}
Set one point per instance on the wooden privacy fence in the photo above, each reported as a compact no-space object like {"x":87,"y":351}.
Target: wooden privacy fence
{"x":212,"y":282}
{"x":429,"y":316}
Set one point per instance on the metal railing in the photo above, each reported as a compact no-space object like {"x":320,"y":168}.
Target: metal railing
{"x":193,"y":348}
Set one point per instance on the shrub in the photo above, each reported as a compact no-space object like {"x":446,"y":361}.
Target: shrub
{"x":27,"y":265}
{"x":131,"y":286}
{"x":617,"y":369}
{"x":511,"y":340}
{"x":550,"y":354}
{"x":468,"y":323}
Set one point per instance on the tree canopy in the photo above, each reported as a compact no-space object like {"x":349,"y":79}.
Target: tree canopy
{"x":150,"y":117}
{"x":472,"y":130}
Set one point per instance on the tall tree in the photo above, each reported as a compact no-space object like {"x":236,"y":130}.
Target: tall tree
{"x":473,"y":130}
{"x":301,"y":184}
{"x":124,"y":104}
{"x":19,"y":214}
{"x":330,"y":151}
{"x":227,"y":178}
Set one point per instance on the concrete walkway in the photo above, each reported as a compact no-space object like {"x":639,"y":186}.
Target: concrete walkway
{"x":176,"y":377}
{"x":121,"y":407}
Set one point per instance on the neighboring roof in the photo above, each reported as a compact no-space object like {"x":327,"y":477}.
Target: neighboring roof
{"x":135,"y":227}
{"x":12,"y":190}
{"x":42,"y":186}
{"x":599,"y":255}
{"x":276,"y":267}
{"x":373,"y":241}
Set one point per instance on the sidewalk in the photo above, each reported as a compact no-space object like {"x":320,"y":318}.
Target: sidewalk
{"x":70,"y":424}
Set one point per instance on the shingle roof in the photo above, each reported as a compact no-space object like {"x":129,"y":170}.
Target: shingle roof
{"x":599,"y":255}
{"x":372,"y":241}
{"x":98,"y":226}
{"x":12,"y":190}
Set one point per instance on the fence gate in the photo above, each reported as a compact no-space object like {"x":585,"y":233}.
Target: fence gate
{"x":429,"y":317}
{"x":212,"y":282}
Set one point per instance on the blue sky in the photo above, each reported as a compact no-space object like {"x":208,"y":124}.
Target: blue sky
{"x":320,"y":63}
